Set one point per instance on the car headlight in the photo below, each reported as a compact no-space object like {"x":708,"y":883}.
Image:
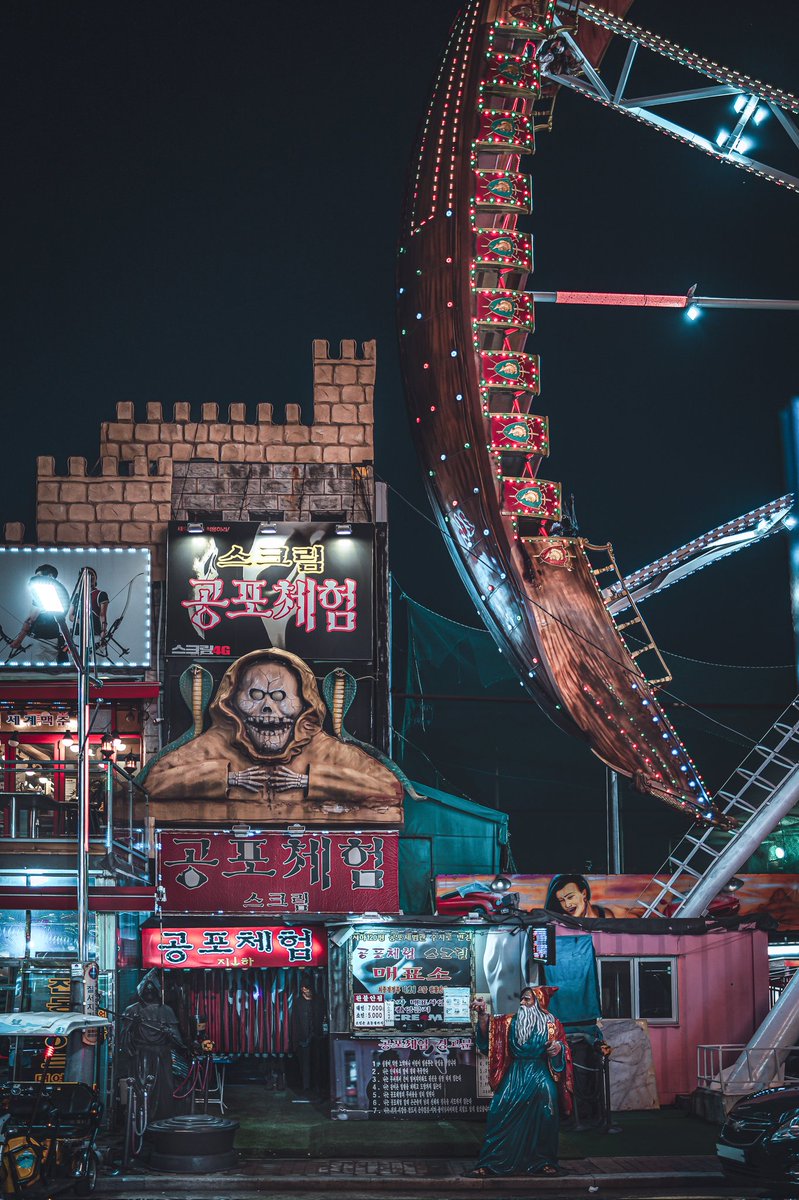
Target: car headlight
{"x":788,"y":1129}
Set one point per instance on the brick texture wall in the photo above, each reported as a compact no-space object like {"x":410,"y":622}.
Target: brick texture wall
{"x":172,"y":467}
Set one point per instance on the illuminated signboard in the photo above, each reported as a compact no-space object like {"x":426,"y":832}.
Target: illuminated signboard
{"x":424,"y":977}
{"x":345,"y":872}
{"x":175,"y":945}
{"x":300,"y":587}
{"x":120,"y":604}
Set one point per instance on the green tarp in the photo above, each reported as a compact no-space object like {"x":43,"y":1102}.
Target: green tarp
{"x":445,"y":835}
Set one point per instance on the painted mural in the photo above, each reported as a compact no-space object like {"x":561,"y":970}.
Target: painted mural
{"x":604,"y":896}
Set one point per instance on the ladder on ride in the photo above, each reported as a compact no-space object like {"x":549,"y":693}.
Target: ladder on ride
{"x":755,"y":798}
{"x":646,"y":645}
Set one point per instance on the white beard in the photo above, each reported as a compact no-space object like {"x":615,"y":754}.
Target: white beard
{"x":529,"y":1020}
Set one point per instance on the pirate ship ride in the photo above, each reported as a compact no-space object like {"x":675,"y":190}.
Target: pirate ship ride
{"x":472,"y":386}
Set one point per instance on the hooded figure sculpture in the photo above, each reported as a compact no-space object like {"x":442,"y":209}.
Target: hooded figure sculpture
{"x":266,"y":747}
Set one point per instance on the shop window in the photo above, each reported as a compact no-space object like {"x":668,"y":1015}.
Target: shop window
{"x":641,"y":988}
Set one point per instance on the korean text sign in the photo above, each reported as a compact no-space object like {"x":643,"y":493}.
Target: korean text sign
{"x":234,"y":946}
{"x":305,"y":588}
{"x":346,"y":872}
{"x":423,"y":976}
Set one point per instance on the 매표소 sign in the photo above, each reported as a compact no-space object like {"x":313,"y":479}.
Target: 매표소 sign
{"x":303,"y":588}
{"x":417,"y":970}
{"x":347,"y":871}
{"x":234,"y":946}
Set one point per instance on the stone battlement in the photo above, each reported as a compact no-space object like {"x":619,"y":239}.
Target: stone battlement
{"x":158,"y":468}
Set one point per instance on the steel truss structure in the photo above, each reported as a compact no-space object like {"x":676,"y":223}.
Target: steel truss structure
{"x":576,"y":72}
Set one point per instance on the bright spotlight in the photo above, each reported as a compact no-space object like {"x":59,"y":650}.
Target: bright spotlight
{"x":46,"y":595}
{"x":760,"y":115}
{"x":790,"y":521}
{"x":779,"y":852}
{"x":693,"y":312}
{"x":721,"y":137}
{"x":744,"y":145}
{"x":740,"y":101}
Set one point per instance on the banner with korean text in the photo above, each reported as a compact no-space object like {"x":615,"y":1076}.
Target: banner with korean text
{"x":189,"y":945}
{"x":240,"y":586}
{"x":348,"y":871}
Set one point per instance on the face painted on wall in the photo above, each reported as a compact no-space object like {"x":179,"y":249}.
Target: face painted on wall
{"x":268,"y":700}
{"x":573,"y":900}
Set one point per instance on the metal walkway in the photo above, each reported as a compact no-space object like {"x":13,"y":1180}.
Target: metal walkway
{"x":763,"y":789}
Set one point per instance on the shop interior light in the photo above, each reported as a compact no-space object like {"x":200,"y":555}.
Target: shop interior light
{"x":344,"y":530}
{"x":195,"y":527}
{"x":107,"y":747}
{"x":786,"y":950}
{"x":131,"y":762}
{"x":267,"y":529}
{"x":67,"y":741}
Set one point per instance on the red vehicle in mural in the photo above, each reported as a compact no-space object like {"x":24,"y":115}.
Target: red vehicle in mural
{"x":471,"y":897}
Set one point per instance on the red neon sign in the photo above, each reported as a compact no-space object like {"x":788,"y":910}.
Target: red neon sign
{"x":234,"y":946}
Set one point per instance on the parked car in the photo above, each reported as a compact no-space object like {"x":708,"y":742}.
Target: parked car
{"x":760,"y":1138}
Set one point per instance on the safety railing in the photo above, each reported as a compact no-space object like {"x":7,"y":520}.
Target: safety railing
{"x":778,"y":1064}
{"x":39,"y":802}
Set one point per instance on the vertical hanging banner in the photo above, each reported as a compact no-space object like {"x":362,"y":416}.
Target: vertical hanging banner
{"x":241,"y":586}
{"x":348,"y":872}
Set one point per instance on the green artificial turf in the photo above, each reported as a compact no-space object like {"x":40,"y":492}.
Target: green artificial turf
{"x":270,"y":1124}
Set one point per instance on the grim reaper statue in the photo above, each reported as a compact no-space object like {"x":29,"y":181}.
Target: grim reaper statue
{"x":266,"y":757}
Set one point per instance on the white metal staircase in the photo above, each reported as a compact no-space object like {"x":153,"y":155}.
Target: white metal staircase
{"x":755,"y":798}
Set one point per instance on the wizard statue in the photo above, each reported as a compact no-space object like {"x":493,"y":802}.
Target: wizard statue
{"x":530,"y":1072}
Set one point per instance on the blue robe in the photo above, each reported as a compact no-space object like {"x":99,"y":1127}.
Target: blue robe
{"x":523,"y":1123}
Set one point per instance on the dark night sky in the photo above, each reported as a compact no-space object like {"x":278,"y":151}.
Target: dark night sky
{"x":193,"y":191}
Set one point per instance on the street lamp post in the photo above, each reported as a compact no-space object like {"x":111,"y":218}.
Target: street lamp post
{"x":84,"y":765}
{"x":50,"y":599}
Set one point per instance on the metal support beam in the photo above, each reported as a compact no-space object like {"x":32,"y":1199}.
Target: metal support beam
{"x":741,"y":847}
{"x":711,"y":547}
{"x":577,"y":73}
{"x":656,"y":300}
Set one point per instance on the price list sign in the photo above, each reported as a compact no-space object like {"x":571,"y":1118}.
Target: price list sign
{"x":371,"y":1011}
{"x":425,"y":974}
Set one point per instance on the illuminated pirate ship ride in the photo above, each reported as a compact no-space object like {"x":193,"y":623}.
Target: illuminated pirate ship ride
{"x":472,"y":388}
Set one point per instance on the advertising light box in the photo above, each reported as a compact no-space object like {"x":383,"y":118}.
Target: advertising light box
{"x":30,"y":636}
{"x":238,"y":586}
{"x":347,"y":872}
{"x":411,"y":979}
{"x":253,"y":945}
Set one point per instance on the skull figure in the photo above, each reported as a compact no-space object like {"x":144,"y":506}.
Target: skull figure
{"x":268,"y":700}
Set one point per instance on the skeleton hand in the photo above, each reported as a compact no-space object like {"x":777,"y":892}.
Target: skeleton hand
{"x":282,"y":779}
{"x":254,"y":779}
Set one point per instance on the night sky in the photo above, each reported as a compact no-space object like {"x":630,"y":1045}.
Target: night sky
{"x":193,"y":191}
